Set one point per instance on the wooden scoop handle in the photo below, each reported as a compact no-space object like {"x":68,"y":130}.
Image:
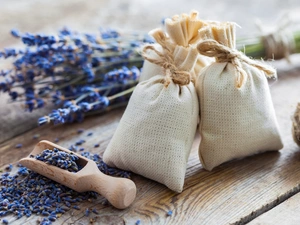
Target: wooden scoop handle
{"x":120,"y":192}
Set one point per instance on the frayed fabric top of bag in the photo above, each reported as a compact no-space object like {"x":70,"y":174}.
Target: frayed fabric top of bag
{"x":236,"y":109}
{"x":155,"y":135}
{"x":182,"y":31}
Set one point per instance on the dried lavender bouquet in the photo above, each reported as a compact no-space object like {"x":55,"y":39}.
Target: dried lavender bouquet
{"x":79,"y":73}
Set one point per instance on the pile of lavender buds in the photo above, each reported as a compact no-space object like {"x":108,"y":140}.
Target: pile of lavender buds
{"x":26,"y":192}
{"x":59,"y":159}
{"x":77,"y":72}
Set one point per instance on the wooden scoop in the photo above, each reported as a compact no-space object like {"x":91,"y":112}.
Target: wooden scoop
{"x":120,"y":192}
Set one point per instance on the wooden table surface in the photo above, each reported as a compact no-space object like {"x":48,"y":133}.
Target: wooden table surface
{"x":261,"y":189}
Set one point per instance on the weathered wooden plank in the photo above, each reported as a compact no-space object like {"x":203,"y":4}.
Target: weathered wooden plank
{"x":235,"y":192}
{"x":15,"y":120}
{"x":287,"y":213}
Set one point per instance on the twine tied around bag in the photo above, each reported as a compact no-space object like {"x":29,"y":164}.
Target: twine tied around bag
{"x":223,"y":53}
{"x":166,"y":61}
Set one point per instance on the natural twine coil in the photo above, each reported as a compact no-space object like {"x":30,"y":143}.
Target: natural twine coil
{"x":279,"y":45}
{"x":223,"y":53}
{"x":280,"y":42}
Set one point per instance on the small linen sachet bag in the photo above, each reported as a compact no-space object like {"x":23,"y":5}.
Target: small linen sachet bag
{"x":182,"y":31}
{"x":155,"y":135}
{"x":236,"y":109}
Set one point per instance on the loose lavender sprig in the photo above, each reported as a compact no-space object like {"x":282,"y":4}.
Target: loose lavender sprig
{"x":75,"y":110}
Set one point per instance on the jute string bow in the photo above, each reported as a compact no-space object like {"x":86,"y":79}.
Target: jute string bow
{"x":223,"y":53}
{"x":166,"y":61}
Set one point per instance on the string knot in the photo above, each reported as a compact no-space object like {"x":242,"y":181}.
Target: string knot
{"x":223,"y":53}
{"x":166,"y":61}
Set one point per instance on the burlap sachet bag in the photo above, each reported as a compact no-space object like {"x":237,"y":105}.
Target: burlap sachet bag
{"x":182,"y":30}
{"x":237,"y":116}
{"x":155,"y":134}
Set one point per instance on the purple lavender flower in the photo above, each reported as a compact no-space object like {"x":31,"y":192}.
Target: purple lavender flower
{"x":89,"y":72}
{"x":91,"y":38}
{"x":28,"y":39}
{"x":4,"y":72}
{"x":65,"y":31}
{"x":19,"y":145}
{"x":8,"y":52}
{"x":15,"y":33}
{"x":13,"y":95}
{"x":40,"y":103}
{"x":29,"y":104}
{"x":56,"y":117}
{"x":84,"y":106}
{"x":57,"y":98}
{"x":73,"y":107}
{"x":73,"y":112}
{"x":43,"y":120}
{"x":108,"y":33}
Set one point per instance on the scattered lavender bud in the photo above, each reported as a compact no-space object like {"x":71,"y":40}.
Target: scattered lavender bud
{"x":52,"y":218}
{"x":79,"y":131}
{"x":138,"y":222}
{"x":81,"y":149}
{"x":45,"y":213}
{"x":19,"y":145}
{"x":169,"y":213}
{"x":9,"y":167}
{"x":95,"y":211}
{"x":15,"y":33}
{"x":76,"y":207}
{"x":36,"y":136}
{"x":87,"y":212}
{"x":73,"y":148}
{"x":5,"y":221}
{"x":56,"y":140}
{"x":90,"y":134}
{"x":96,"y":145}
{"x":80,"y":142}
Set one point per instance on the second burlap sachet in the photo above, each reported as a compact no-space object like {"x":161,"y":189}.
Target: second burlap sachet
{"x":237,"y":116}
{"x":155,"y":135}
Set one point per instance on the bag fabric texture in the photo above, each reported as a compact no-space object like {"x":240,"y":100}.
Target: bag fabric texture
{"x":237,"y":116}
{"x":182,"y":31}
{"x":296,"y":125}
{"x":155,"y":135}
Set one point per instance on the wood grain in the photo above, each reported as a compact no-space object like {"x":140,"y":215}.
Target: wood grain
{"x":234,"y":193}
{"x":286,"y":213}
